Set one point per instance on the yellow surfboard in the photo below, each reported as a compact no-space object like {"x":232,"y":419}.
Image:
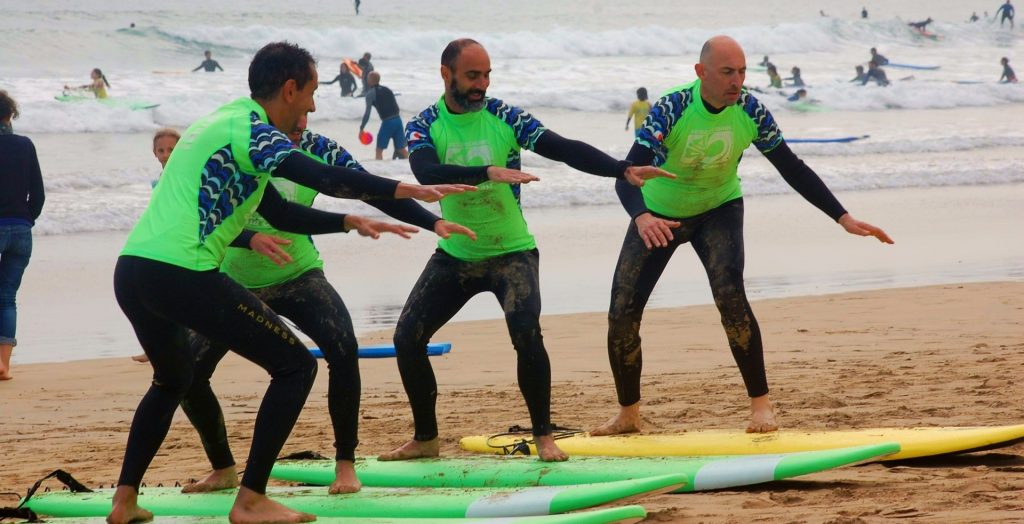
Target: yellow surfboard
{"x":914,"y":442}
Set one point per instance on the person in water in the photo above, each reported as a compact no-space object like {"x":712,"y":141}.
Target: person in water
{"x":796,"y":80}
{"x":922,"y":25}
{"x":877,"y":58}
{"x":798,"y":96}
{"x":774,"y":79}
{"x":639,"y":109}
{"x":345,"y":79}
{"x":98,"y":86}
{"x":875,"y":73}
{"x":1008,"y":76}
{"x":1007,"y":12}
{"x":861,"y":75}
{"x":209,"y":65}
{"x":391,"y":129}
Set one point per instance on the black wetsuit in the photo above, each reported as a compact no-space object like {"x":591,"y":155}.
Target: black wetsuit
{"x":383,"y":100}
{"x":209,"y":65}
{"x":717,"y":238}
{"x":1008,"y":76}
{"x":447,"y":283}
{"x":876,"y":74}
{"x":347,"y":81}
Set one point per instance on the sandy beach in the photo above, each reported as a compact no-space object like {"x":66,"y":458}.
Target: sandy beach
{"x":945,"y":355}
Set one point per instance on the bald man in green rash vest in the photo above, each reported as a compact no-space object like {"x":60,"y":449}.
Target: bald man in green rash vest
{"x":166,"y":280}
{"x":699,"y":131}
{"x":467,"y":137}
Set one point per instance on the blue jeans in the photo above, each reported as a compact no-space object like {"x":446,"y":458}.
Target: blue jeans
{"x":15,"y":250}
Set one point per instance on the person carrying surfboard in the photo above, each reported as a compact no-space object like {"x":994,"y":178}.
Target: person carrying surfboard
{"x":166,"y":279}
{"x":878,"y":58}
{"x":699,"y":131}
{"x":468,"y":137}
{"x":285,"y":271}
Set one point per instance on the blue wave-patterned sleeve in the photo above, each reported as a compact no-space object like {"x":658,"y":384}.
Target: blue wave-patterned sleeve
{"x":769,"y":136}
{"x":328,"y":150}
{"x":222,"y":188}
{"x":268,"y":146}
{"x":417,"y":131}
{"x":525,"y":127}
{"x":664,"y":114}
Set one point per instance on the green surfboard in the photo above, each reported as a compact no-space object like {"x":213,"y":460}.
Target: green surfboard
{"x":134,"y":105}
{"x":703,"y":473}
{"x":371,"y":502}
{"x":618,"y":515}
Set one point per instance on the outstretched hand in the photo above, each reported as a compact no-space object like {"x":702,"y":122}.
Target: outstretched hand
{"x":369,"y":227}
{"x":654,"y":231}
{"x":856,"y":227}
{"x":445,"y":229}
{"x":269,"y":246}
{"x":637,"y":175}
{"x":509,"y":176}
{"x":430,"y":193}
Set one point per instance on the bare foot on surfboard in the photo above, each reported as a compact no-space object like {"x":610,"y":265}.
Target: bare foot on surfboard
{"x":414,"y":449}
{"x":125,"y":507}
{"x":627,"y":421}
{"x":762,"y":416}
{"x":217,"y":480}
{"x":548,"y":451}
{"x":251,"y":507}
{"x":345,"y":479}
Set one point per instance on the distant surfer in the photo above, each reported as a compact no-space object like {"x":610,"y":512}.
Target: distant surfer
{"x":209,"y":64}
{"x":860,"y":74}
{"x":878,"y":58}
{"x":1007,"y":14}
{"x":346,"y":80}
{"x":638,"y":109}
{"x":974,"y":17}
{"x":796,"y":80}
{"x":1008,"y":76}
{"x":98,"y":86}
{"x":699,"y":131}
{"x":774,"y":79}
{"x":864,"y":12}
{"x":366,"y":67}
{"x":875,"y":73}
{"x":798,"y":96}
{"x":765,"y":62}
{"x":922,"y":26}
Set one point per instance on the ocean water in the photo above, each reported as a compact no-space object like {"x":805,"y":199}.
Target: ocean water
{"x":571,"y":63}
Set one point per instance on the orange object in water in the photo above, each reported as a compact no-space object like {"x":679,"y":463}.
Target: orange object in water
{"x":352,"y":66}
{"x":365,"y":138}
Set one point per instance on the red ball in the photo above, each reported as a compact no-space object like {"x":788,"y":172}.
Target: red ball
{"x":365,"y":138}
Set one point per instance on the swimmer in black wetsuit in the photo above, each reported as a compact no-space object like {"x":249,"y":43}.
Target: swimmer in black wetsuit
{"x":875,"y":73}
{"x":1008,"y":76}
{"x":1007,"y":11}
{"x":877,"y":58}
{"x":209,"y":65}
{"x":922,"y":25}
{"x":860,"y":74}
{"x":346,"y":80}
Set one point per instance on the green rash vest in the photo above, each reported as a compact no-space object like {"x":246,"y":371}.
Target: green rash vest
{"x":212,"y":183}
{"x":492,"y":136}
{"x":702,"y":149}
{"x":254,"y":270}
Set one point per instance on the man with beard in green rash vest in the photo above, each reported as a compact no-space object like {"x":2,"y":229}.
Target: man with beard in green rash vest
{"x":291,"y":281}
{"x":467,"y":137}
{"x":166,"y":280}
{"x":699,"y":132}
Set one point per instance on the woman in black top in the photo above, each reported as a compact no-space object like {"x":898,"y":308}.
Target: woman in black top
{"x":20,"y":204}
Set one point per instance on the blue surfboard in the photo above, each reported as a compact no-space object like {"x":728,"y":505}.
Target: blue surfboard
{"x":387,"y":350}
{"x":839,"y":140}
{"x":913,"y":66}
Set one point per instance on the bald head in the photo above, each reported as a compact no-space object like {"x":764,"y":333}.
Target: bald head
{"x":722,"y":70}
{"x":718,"y":48}
{"x":373,"y":78}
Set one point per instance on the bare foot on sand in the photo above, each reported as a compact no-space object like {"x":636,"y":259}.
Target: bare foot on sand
{"x":5,"y":374}
{"x":627,"y":421}
{"x":125,"y":507}
{"x":251,"y":507}
{"x":414,"y":449}
{"x":219,"y":479}
{"x":345,"y":479}
{"x":762,"y":415}
{"x":548,"y":451}
{"x":141,"y":357}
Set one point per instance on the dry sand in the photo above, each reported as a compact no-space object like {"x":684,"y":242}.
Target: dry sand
{"x":946,"y":355}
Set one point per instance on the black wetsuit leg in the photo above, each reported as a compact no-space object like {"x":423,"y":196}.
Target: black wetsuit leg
{"x":636,"y":274}
{"x":201,"y":405}
{"x":160,"y":300}
{"x":315,"y":307}
{"x":439,"y":293}
{"x":718,"y":241}
{"x":445,"y":285}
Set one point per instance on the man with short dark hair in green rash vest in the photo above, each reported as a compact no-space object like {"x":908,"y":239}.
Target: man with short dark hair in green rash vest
{"x":699,"y":131}
{"x":166,"y":279}
{"x":469,"y":138}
